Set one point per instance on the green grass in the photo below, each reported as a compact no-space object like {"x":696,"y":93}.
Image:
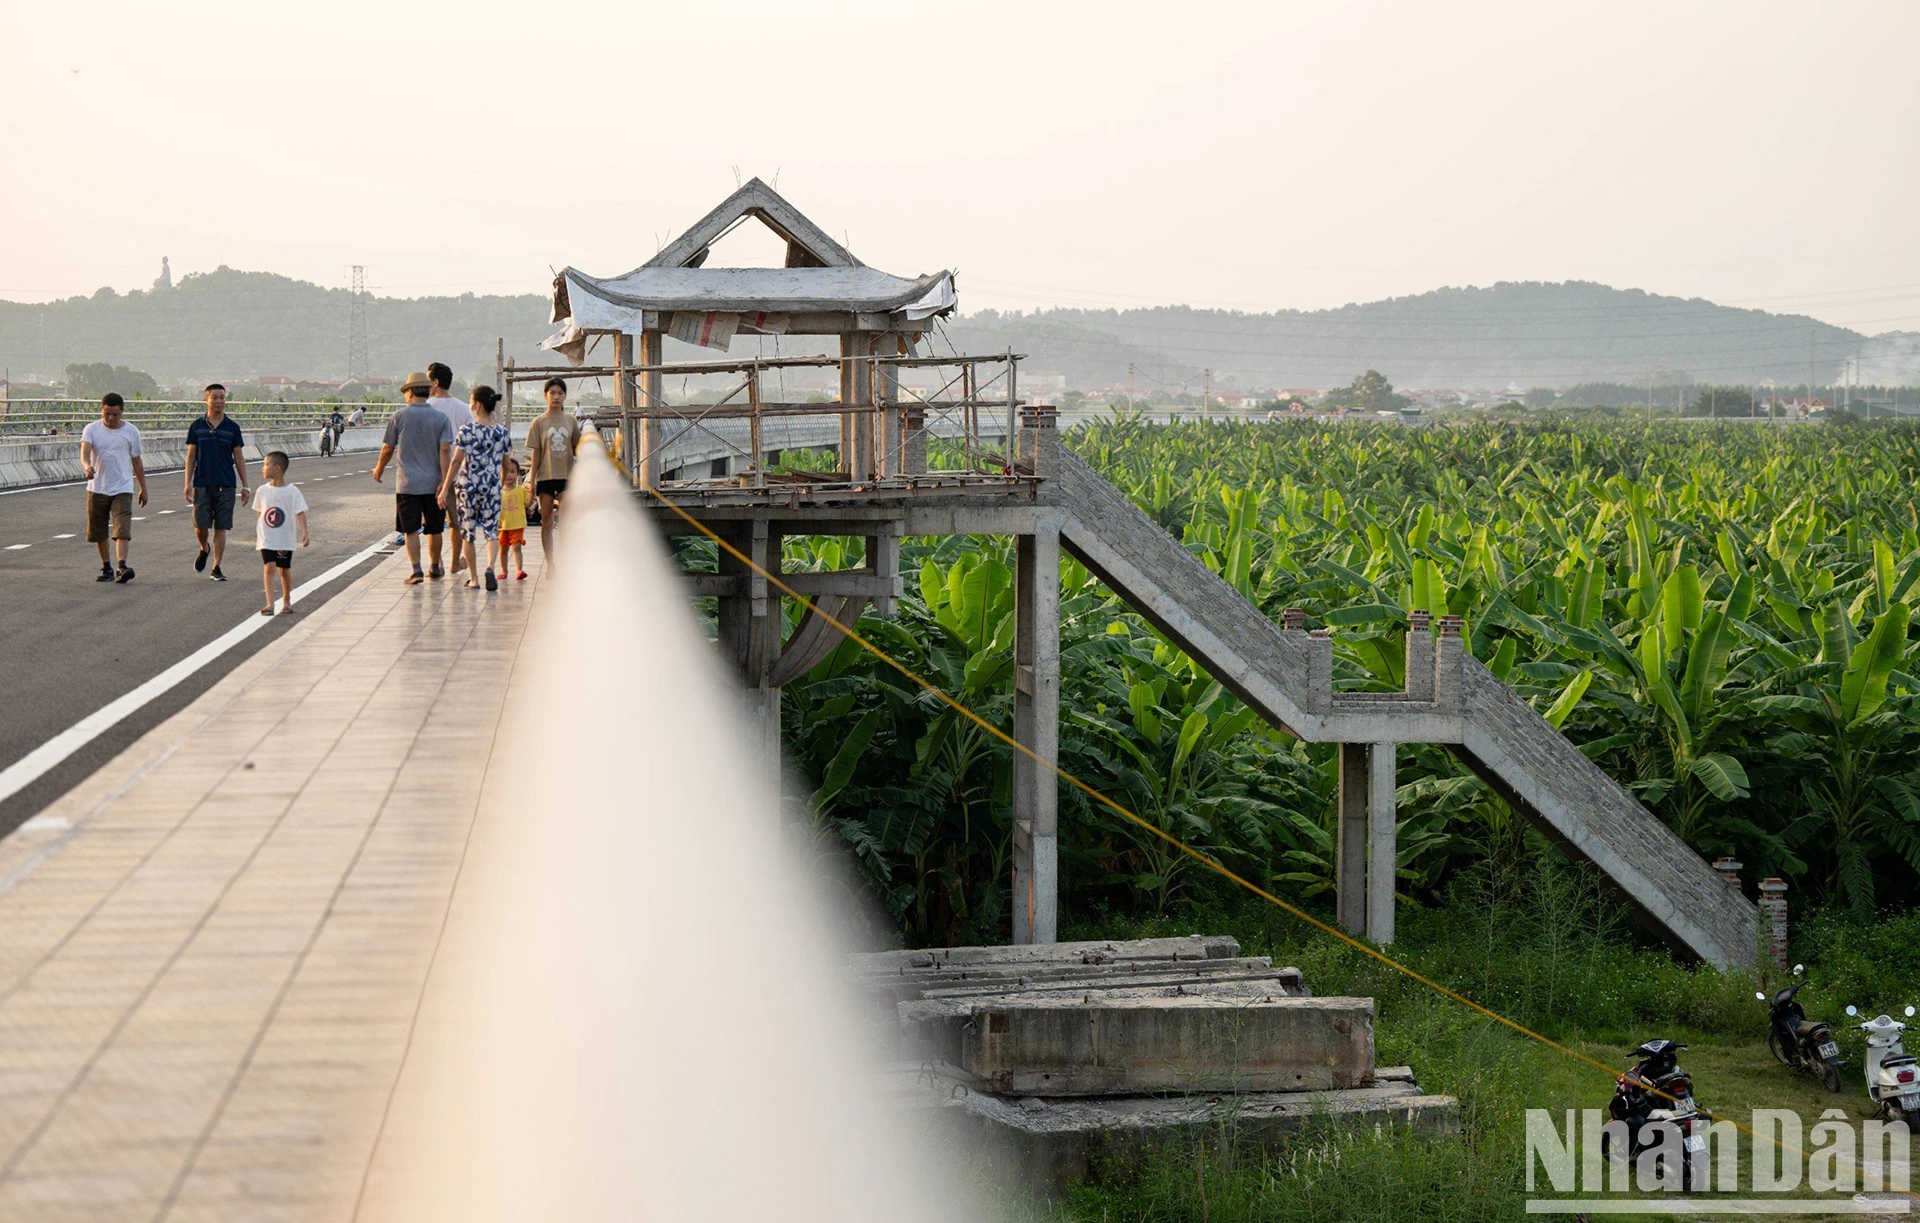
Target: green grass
{"x":1555,"y":962}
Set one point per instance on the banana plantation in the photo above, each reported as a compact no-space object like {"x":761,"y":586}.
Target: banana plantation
{"x":1718,"y":614}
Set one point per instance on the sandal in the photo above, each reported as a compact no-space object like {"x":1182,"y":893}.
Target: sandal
{"x":471,"y":584}
{"x":267,"y":610}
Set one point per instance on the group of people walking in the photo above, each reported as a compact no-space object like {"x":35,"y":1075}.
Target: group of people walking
{"x":214,"y":481}
{"x":455,"y":461}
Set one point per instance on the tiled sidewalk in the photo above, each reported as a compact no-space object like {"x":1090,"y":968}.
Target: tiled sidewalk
{"x":212,"y":951}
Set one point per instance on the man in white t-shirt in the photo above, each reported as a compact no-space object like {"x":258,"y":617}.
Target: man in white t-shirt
{"x":440,"y":397}
{"x":110,"y":457}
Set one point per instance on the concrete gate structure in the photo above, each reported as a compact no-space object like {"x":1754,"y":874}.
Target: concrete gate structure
{"x":898,"y":474}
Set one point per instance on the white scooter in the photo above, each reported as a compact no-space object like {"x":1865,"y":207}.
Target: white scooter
{"x":1893,"y":1074}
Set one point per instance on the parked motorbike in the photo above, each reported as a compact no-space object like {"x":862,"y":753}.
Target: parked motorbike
{"x":1893,"y":1074}
{"x":1657,"y":1090}
{"x":1797,"y":1041}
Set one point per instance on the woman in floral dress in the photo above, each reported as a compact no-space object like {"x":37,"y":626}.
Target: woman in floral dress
{"x":479,"y":450}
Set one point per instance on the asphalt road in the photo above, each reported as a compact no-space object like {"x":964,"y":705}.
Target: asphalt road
{"x":69,"y":644}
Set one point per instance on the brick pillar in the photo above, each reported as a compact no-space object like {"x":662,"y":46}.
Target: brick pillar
{"x":1419,"y":656}
{"x":1033,"y":419}
{"x":1319,"y":686}
{"x":1729,"y":870}
{"x":1773,"y":907}
{"x":913,"y":440}
{"x":1446,"y":662}
{"x":1293,"y":619}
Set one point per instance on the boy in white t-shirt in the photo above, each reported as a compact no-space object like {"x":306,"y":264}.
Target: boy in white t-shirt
{"x":280,"y":506}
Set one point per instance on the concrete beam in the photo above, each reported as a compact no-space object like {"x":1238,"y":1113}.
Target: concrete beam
{"x":858,"y":583}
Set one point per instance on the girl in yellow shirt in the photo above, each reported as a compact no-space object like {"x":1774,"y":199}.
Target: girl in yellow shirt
{"x":513,"y":519}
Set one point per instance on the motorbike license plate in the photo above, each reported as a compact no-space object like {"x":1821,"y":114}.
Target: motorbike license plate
{"x":1910,"y":1101}
{"x":1829,"y":1050}
{"x":1696,"y":1142}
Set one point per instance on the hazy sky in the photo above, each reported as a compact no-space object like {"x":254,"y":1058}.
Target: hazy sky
{"x":1251,"y":156}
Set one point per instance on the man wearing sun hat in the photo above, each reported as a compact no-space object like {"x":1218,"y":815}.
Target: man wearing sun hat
{"x":424,"y":439}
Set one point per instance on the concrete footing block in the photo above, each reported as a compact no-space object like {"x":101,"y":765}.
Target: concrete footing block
{"x":1195,"y":1043}
{"x":1042,"y":1146}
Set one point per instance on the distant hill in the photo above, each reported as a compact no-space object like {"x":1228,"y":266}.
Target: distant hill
{"x":1531,"y":333}
{"x":233,"y":325}
{"x":230,"y":324}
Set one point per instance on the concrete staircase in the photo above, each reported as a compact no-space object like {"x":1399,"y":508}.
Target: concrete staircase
{"x":1286,"y":674}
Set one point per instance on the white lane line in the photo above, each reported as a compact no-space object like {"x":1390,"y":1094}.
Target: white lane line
{"x":169,"y":511}
{"x":139,"y":517}
{"x":17,"y":547}
{"x":39,"y":488}
{"x":63,"y":536}
{"x":36,"y":763}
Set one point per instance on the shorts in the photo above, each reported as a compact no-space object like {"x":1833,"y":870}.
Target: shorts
{"x":281,"y":557}
{"x":213,"y":506}
{"x":549,"y":488}
{"x":104,"y":509}
{"x":513,"y":537}
{"x":415,"y":513}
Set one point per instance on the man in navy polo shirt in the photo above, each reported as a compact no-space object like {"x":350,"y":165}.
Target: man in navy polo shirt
{"x":216,"y":468}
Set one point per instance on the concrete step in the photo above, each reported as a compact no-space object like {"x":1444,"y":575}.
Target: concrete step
{"x":1112,"y":951}
{"x":1119,"y":977}
{"x":1054,"y":1046}
{"x":923,"y":983}
{"x":1287,"y":677}
{"x":935,"y":1026}
{"x":1045,"y":1145}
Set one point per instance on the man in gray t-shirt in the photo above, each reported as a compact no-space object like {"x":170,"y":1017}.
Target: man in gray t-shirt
{"x":424,"y":440}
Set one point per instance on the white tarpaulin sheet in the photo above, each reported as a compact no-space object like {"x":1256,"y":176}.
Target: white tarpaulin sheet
{"x":619,"y":303}
{"x":714,"y":329}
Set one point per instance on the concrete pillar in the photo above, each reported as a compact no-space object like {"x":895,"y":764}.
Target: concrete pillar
{"x":856,"y":390}
{"x":750,"y":631}
{"x":1036,"y":723}
{"x":623,"y":403}
{"x":889,"y":438}
{"x":1350,"y":846}
{"x":646,"y":466}
{"x":883,"y":557}
{"x":1383,"y":835}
